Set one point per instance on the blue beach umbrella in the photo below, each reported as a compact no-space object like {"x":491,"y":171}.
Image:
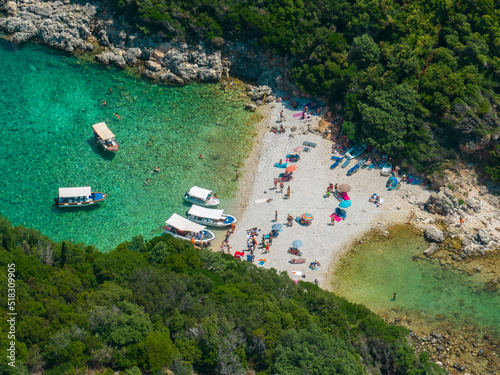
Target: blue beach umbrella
{"x":277,"y":227}
{"x":345,"y":204}
{"x":340,"y":212}
{"x":297,"y":243}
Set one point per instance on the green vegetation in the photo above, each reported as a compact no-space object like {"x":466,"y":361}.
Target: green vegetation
{"x":162,"y":304}
{"x":415,"y":78}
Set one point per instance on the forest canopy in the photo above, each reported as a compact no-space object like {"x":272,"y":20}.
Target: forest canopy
{"x":162,"y":304}
{"x":443,"y":57}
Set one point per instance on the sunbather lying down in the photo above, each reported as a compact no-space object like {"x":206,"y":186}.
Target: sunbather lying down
{"x":372,"y":198}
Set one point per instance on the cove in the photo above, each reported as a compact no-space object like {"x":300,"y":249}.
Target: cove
{"x":376,"y":269}
{"x":50,"y":101}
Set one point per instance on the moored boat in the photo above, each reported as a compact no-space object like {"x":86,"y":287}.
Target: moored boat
{"x":105,"y":137}
{"x":202,"y":197}
{"x":210,"y":217}
{"x":355,"y":151}
{"x":184,"y":229}
{"x":78,"y":197}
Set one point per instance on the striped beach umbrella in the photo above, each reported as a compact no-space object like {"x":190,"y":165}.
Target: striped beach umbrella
{"x":307,"y":217}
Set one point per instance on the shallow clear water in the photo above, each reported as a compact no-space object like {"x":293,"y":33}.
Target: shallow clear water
{"x":372,"y":272}
{"x":48,"y":104}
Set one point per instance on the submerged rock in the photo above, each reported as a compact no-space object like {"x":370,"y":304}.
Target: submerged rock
{"x":431,"y":249}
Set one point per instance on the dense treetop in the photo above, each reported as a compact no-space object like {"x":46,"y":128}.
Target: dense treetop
{"x":163,"y":304}
{"x":416,"y":78}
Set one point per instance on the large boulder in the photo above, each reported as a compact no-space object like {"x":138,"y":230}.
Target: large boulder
{"x":170,"y":77}
{"x":483,"y":236}
{"x":132,"y":55}
{"x":110,"y":58}
{"x":153,"y":65}
{"x":433,"y":234}
{"x":431,"y":249}
{"x":474,"y":203}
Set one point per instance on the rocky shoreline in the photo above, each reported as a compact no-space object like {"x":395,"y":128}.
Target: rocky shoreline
{"x":91,"y":28}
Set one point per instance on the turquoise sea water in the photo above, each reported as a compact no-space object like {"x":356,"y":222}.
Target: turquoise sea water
{"x":372,"y":272}
{"x":48,"y":104}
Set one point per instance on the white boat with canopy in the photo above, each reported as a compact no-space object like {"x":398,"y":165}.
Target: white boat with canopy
{"x":184,"y":229}
{"x":105,"y":137}
{"x":202,"y":197}
{"x":78,"y":197}
{"x":209,"y":216}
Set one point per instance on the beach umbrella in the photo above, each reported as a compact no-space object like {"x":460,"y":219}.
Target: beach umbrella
{"x":298,"y":149}
{"x":307,"y":216}
{"x":297,"y":243}
{"x":344,"y":188}
{"x":340,"y":212}
{"x":345,"y":204}
{"x":291,"y":168}
{"x":277,"y":227}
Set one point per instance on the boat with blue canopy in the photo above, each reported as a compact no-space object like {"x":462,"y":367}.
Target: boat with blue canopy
{"x":78,"y":197}
{"x":210,"y":217}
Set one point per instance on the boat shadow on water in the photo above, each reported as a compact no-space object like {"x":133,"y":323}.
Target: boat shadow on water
{"x":99,"y":150}
{"x":65,"y":210}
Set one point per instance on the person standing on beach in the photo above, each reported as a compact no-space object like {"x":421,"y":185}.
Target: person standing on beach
{"x":237,"y":175}
{"x":282,"y":185}
{"x":333,"y":220}
{"x":270,"y":239}
{"x":282,"y":116}
{"x":275,"y":216}
{"x":461,"y":220}
{"x":394,"y":297}
{"x":233,"y":227}
{"x":267,"y":248}
{"x":288,"y":192}
{"x":275,"y":183}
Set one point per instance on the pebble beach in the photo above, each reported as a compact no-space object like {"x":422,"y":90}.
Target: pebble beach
{"x":322,"y":241}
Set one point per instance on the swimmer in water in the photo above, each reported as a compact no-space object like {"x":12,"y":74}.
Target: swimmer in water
{"x":201,"y":156}
{"x":116,"y":114}
{"x":110,"y":90}
{"x":104,"y":103}
{"x":156,"y":170}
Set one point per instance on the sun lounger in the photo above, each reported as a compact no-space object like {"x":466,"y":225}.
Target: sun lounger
{"x":353,"y":170}
{"x":309,"y":144}
{"x":346,"y":163}
{"x":334,"y":165}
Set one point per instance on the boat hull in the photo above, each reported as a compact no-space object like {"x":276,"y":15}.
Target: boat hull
{"x":110,"y":148}
{"x":73,"y":202}
{"x":213,"y":202}
{"x":229,"y":219}
{"x":208,"y":236}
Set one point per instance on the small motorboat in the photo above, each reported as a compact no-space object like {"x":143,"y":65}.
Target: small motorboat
{"x":78,"y":197}
{"x":184,"y":229}
{"x":202,"y":197}
{"x":386,"y":170}
{"x":298,"y":261}
{"x":210,"y":217}
{"x":355,"y":151}
{"x":294,"y":251}
{"x":105,"y":137}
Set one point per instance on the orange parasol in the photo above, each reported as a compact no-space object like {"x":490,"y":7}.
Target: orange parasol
{"x":291,"y":168}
